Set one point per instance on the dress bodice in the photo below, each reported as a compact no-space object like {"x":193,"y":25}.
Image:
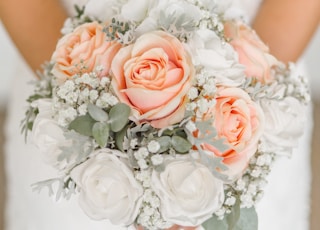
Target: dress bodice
{"x":247,"y":8}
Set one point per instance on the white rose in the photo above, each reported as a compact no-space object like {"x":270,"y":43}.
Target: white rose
{"x":190,"y":12}
{"x":220,"y":59}
{"x":108,"y":188}
{"x":284,"y":124}
{"x":188,"y":191}
{"x":47,"y":135}
{"x":135,"y":10}
{"x":103,"y":10}
{"x":177,"y":9}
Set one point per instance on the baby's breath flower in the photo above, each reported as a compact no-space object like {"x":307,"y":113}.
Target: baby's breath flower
{"x":142,"y":164}
{"x":191,"y":106}
{"x":255,"y":173}
{"x":66,"y":116}
{"x":203,"y":105}
{"x":230,"y":201}
{"x":93,"y":95}
{"x":193,"y":93}
{"x":191,"y":126}
{"x":157,"y":159}
{"x":133,"y":143}
{"x":153,"y":146}
{"x":141,"y":153}
{"x":83,"y":109}
{"x":201,"y":78}
{"x":210,"y":87}
{"x":99,"y":68}
{"x":106,"y":100}
{"x":104,"y":81}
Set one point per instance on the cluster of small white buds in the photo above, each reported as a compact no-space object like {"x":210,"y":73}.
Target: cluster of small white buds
{"x":157,"y":159}
{"x":149,"y":216}
{"x":141,"y":154}
{"x":153,"y":146}
{"x":249,"y":189}
{"x":72,"y":97}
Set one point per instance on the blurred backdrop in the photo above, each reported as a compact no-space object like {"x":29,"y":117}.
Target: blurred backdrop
{"x":8,"y":54}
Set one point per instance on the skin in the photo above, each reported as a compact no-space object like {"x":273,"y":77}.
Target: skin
{"x":286,"y":26}
{"x":34,"y":27}
{"x":287,"y":34}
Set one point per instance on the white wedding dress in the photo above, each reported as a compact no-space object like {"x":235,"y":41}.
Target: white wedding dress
{"x":285,"y":205}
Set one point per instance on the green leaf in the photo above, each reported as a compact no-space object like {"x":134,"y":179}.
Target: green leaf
{"x":100,"y":133}
{"x":83,"y":125}
{"x":215,"y":223}
{"x":165,"y":143}
{"x":234,"y":216}
{"x":119,"y":138}
{"x":119,"y":116}
{"x":180,"y":144}
{"x":97,"y":113}
{"x":248,"y":219}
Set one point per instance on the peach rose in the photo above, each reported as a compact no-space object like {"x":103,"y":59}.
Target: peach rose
{"x":252,"y":52}
{"x":153,"y":76}
{"x":241,"y":122}
{"x":83,"y":50}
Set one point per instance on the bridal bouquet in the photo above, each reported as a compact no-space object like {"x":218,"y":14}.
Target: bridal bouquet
{"x":164,"y":112}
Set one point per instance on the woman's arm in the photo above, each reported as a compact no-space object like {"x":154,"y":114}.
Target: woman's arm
{"x":287,"y":26}
{"x":34,"y":27}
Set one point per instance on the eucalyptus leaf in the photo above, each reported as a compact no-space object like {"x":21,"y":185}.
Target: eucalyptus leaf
{"x":180,"y":144}
{"x":100,"y":133}
{"x":83,"y":125}
{"x":119,"y":138}
{"x":97,"y":113}
{"x":215,"y":223}
{"x":165,"y":143}
{"x":248,"y":219}
{"x":119,"y":116}
{"x":234,"y":216}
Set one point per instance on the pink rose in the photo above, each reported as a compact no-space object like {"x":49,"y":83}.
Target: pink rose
{"x":253,"y":53}
{"x":240,"y":121}
{"x":83,"y":50}
{"x":153,"y":76}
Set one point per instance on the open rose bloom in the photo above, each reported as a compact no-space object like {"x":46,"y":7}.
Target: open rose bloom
{"x":164,"y":113}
